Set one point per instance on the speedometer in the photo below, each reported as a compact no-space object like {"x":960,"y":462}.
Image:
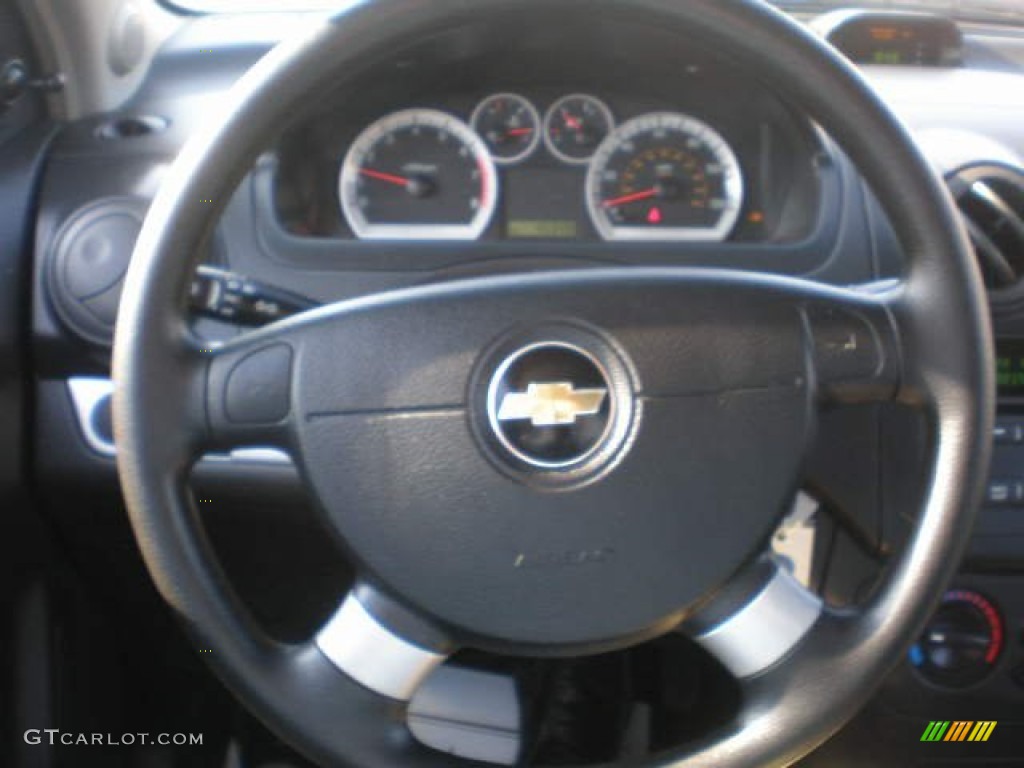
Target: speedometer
{"x":664,"y":176}
{"x":418,"y":174}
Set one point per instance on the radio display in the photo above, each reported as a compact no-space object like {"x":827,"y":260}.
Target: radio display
{"x":1010,"y":368}
{"x":898,"y":40}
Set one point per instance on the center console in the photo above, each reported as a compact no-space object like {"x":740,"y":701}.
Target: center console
{"x":968,"y":664}
{"x":999,"y":532}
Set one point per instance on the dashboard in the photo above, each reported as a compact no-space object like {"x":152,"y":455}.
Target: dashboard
{"x":574,"y":165}
{"x":662,"y":175}
{"x":574,"y":173}
{"x":582,"y":159}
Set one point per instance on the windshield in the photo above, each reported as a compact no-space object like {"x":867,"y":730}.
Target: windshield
{"x":972,"y":10}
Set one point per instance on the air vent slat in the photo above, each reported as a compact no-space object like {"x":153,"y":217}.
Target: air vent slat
{"x":993,"y":264}
{"x":991,"y":200}
{"x":1008,"y":218}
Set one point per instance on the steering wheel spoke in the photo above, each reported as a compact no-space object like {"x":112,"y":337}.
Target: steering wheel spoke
{"x":247,"y":387}
{"x":756,"y":620}
{"x":381,"y":645}
{"x":856,"y":347}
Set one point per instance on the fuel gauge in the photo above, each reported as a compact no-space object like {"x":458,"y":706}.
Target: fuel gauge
{"x":575,"y":126}
{"x":509,"y":125}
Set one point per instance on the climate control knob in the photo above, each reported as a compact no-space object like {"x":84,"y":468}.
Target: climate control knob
{"x":961,"y":643}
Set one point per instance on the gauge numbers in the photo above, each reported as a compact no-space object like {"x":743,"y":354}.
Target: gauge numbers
{"x":664,"y":176}
{"x":418,"y":174}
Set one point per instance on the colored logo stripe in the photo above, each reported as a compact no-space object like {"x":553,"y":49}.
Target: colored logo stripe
{"x":982,"y":730}
{"x":958,"y":730}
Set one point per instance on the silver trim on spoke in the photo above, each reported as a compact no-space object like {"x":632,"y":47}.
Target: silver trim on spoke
{"x":766,"y":628}
{"x":373,"y":655}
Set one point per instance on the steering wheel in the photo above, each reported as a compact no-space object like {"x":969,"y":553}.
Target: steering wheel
{"x":564,"y":462}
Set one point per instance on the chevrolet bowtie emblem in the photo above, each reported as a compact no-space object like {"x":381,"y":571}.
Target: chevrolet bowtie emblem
{"x":551,"y":404}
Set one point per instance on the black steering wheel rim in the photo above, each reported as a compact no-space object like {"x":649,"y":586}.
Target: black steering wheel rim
{"x":939,"y":310}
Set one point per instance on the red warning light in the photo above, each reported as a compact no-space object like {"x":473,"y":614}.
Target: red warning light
{"x":654,"y":216}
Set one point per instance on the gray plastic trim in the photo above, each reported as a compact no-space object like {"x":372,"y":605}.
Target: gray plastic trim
{"x":87,"y":395}
{"x":468,"y":713}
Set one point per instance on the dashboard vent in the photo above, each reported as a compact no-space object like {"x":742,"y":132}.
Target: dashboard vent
{"x":991,"y":199}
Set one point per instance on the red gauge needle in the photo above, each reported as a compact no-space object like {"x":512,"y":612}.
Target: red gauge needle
{"x":389,"y":178}
{"x":519,"y":131}
{"x":575,"y":123}
{"x":615,"y":202}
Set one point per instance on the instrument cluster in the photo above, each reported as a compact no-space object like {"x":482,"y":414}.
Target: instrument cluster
{"x":426,"y":174}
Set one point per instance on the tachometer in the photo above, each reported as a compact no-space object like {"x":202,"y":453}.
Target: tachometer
{"x":664,"y":176}
{"x":418,"y":174}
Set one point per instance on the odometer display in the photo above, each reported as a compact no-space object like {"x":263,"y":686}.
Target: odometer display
{"x":418,"y":174}
{"x":664,"y":176}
